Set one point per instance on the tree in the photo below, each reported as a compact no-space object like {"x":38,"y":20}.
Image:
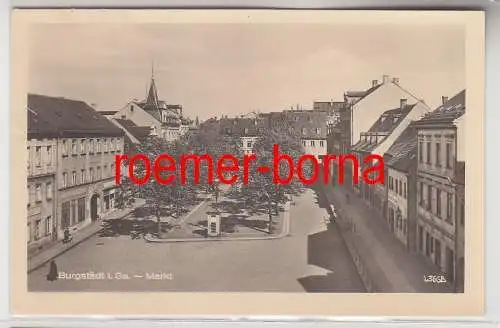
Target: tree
{"x":162,"y":199}
{"x":281,"y":132}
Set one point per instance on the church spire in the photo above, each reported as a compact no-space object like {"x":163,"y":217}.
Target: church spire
{"x":152,"y":99}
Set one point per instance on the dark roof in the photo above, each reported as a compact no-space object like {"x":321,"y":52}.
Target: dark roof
{"x":330,"y":107}
{"x":67,"y":118}
{"x":305,"y":123}
{"x":37,"y":125}
{"x":243,"y":127}
{"x":447,"y":113}
{"x":139,"y":132}
{"x":390,"y":119}
{"x":383,"y":127}
{"x":402,"y":154}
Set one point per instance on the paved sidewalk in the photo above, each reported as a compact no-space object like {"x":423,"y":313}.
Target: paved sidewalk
{"x":79,"y":236}
{"x":392,"y":267}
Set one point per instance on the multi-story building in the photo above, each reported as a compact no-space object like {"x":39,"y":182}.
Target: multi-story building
{"x":164,"y":120}
{"x":401,"y":167}
{"x":247,"y":129}
{"x":85,"y":149}
{"x":41,"y":150}
{"x":377,"y":140}
{"x":363,"y":108}
{"x":441,"y":138}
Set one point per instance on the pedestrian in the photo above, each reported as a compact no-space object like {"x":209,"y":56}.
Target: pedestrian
{"x":53,"y":274}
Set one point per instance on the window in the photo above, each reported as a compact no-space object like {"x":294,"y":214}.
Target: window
{"x":321,"y":143}
{"x":404,"y":190}
{"x":429,"y":152}
{"x":113,"y":145}
{"x":448,"y":156}
{"x":49,"y":155}
{"x":38,"y":153}
{"x":304,"y":131}
{"x":91,"y":174}
{"x":48,"y":225}
{"x":421,"y":152}
{"x":249,"y":144}
{"x":429,"y":197}
{"x":38,"y":225}
{"x":421,"y":192}
{"x":438,"y":202}
{"x":105,"y":171}
{"x":65,"y":180}
{"x":117,"y":144}
{"x":91,"y":146}
{"x":303,"y":143}
{"x":98,"y":177}
{"x":318,"y":130}
{"x":73,"y":148}
{"x":82,"y":147}
{"x":449,"y":206}
{"x":105,"y":145}
{"x":65,"y":148}
{"x":38,"y":193}
{"x":98,"y":146}
{"x":48,"y":189}
{"x":390,"y":183}
{"x":73,"y":178}
{"x":396,"y":183}
{"x":82,"y":176}
{"x":400,"y":188}
{"x":438,"y":154}
{"x":312,"y":143}
{"x":81,"y":209}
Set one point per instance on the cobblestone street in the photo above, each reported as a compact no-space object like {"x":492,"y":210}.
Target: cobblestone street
{"x":309,"y":259}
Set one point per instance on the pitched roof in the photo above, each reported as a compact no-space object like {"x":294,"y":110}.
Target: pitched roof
{"x":243,"y":127}
{"x":67,"y":118}
{"x":401,"y":155}
{"x":447,"y":113}
{"x":309,"y":124}
{"x":138,"y":132}
{"x":383,"y":127}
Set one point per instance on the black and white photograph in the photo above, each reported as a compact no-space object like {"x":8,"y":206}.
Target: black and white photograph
{"x":247,"y":157}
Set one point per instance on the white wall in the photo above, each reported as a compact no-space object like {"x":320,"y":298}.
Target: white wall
{"x":138,"y":115}
{"x":369,"y":109}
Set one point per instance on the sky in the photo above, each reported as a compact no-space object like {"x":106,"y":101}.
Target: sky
{"x":231,"y":69}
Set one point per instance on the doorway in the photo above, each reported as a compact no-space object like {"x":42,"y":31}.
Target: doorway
{"x":94,"y":202}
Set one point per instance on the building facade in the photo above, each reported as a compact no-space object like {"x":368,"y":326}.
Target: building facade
{"x":440,"y":230}
{"x":363,"y":108}
{"x":400,"y":163}
{"x":83,"y":160}
{"x":377,"y":141}
{"x":41,"y":184}
{"x":165,"y":120}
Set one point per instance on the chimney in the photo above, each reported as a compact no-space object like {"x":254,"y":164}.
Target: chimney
{"x":385,"y":78}
{"x":374,"y":83}
{"x":180,"y":111}
{"x":444,"y":99}
{"x":395,"y":80}
{"x":403,"y":103}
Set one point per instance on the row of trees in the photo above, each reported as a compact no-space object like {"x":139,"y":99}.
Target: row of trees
{"x":171,"y":199}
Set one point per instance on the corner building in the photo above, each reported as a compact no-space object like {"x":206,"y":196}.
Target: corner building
{"x":86,"y":145}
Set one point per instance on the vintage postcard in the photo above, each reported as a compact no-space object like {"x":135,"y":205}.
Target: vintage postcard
{"x":310,"y":163}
